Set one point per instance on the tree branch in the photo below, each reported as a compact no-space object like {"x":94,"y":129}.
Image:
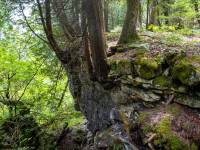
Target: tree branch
{"x":29,"y":26}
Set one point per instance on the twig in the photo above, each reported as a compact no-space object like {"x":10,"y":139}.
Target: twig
{"x":151,"y":138}
{"x":63,"y":94}
{"x":29,"y":26}
{"x":170,"y":99}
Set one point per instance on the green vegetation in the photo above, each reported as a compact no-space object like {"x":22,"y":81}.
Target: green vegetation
{"x":33,"y":90}
{"x":162,"y":81}
{"x":51,"y":50}
{"x":166,"y":135}
{"x":147,"y":68}
{"x":186,"y":70}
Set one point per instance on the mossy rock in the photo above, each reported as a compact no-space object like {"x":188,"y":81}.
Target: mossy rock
{"x":135,"y":46}
{"x":187,"y":70}
{"x":145,"y":96}
{"x":120,"y":66}
{"x":160,"y":122}
{"x":137,"y":81}
{"x":107,"y":140}
{"x":171,"y":56}
{"x":191,"y":101}
{"x":162,"y":82}
{"x":146,"y":67}
{"x":166,"y":138}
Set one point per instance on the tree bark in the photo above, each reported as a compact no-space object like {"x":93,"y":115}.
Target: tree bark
{"x":154,"y":13}
{"x":106,"y":15}
{"x":91,"y":97}
{"x":76,"y":7}
{"x":147,"y":17}
{"x":97,"y":39}
{"x":129,"y":32}
{"x":140,"y":14}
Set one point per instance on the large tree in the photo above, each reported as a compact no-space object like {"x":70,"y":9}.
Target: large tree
{"x":129,"y":32}
{"x":83,"y":55}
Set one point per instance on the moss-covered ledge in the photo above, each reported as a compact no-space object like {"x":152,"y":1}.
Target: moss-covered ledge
{"x":146,"y":74}
{"x":170,"y":127}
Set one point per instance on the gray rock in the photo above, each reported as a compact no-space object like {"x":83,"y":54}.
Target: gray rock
{"x":191,"y":101}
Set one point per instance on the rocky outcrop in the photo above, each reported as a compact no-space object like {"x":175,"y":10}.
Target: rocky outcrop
{"x":152,"y":78}
{"x":147,"y":92}
{"x":141,"y":82}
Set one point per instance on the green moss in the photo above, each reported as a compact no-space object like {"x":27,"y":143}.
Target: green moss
{"x":162,"y":81}
{"x":117,"y":147}
{"x":166,"y":135}
{"x":186,"y":70}
{"x":146,"y":68}
{"x":130,"y":38}
{"x":121,"y":49}
{"x":136,"y":46}
{"x":120,"y":66}
{"x":183,"y":72}
{"x":194,"y":147}
{"x":142,"y":119}
{"x":140,"y":52}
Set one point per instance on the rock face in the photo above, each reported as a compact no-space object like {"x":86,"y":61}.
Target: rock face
{"x":148,"y":78}
{"x":139,"y":81}
{"x":146,"y":94}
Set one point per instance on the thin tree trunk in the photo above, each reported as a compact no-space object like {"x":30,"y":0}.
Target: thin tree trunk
{"x":76,"y":13}
{"x":86,"y":39}
{"x":129,"y":33}
{"x":154,"y":13}
{"x":140,"y":14}
{"x":97,"y":38}
{"x":147,"y":19}
{"x":106,"y":15}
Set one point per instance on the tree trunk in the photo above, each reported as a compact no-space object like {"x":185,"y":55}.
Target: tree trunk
{"x":76,"y":13}
{"x":154,"y":13}
{"x":106,"y":7}
{"x":140,"y":14}
{"x":129,"y":33}
{"x":147,"y":19}
{"x":97,"y":39}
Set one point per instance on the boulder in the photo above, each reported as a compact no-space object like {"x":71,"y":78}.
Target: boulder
{"x":147,"y":68}
{"x":187,"y":70}
{"x":127,"y":95}
{"x":120,"y":66}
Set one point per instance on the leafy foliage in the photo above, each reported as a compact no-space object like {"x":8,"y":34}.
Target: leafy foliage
{"x":33,"y":91}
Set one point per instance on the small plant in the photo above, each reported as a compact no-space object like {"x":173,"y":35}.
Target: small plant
{"x":186,"y":32}
{"x":172,"y":39}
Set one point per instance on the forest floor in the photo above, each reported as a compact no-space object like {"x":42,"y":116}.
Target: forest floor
{"x":160,"y":42}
